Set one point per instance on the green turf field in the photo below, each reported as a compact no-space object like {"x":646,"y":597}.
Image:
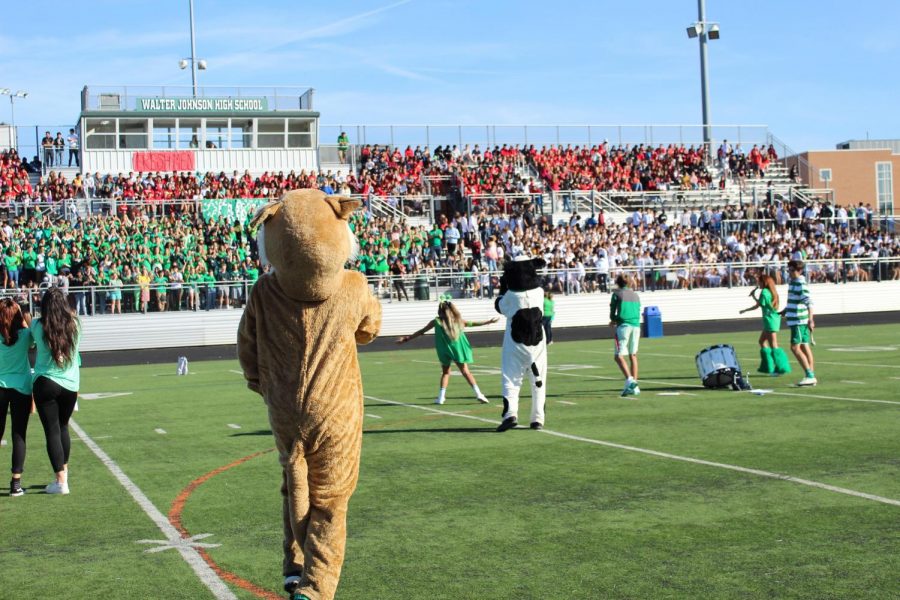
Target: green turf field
{"x":447,"y":508}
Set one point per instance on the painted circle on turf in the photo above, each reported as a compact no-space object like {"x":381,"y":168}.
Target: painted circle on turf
{"x":863,"y":349}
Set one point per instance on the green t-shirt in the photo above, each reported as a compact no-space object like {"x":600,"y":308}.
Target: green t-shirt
{"x":549,"y":308}
{"x":625,"y":307}
{"x":66,"y":376}
{"x":15,"y":370}
{"x":771,"y":317}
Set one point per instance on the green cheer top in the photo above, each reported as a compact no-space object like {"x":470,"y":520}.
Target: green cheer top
{"x":44,"y":366}
{"x":15,"y":370}
{"x":451,"y":351}
{"x":771,"y":318}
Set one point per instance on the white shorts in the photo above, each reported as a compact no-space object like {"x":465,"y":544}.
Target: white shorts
{"x":626,"y":340}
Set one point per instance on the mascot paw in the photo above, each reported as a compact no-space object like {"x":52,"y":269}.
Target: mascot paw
{"x":291,"y":583}
{"x":508,"y":423}
{"x":537,"y":425}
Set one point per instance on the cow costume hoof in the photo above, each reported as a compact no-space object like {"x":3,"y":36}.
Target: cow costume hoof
{"x":507,"y":423}
{"x":537,"y":426}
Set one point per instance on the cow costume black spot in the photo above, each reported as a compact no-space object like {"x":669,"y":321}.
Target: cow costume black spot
{"x":521,"y":301}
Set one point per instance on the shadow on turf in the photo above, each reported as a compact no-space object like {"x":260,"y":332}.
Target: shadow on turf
{"x":439,"y":430}
{"x":257,"y":432}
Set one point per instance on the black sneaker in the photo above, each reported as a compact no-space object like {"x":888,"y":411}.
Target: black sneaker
{"x":291,"y":582}
{"x":536,"y":425}
{"x":508,"y":423}
{"x":15,"y":487}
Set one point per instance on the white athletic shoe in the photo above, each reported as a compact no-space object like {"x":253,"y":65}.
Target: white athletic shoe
{"x":57,"y":488}
{"x":438,"y":400}
{"x":482,"y":398}
{"x":808,"y":381}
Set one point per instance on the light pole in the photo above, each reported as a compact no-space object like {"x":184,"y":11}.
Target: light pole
{"x":196,"y":63}
{"x":12,"y":110}
{"x":704,"y":30}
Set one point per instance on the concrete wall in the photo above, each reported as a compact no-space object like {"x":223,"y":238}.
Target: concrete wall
{"x":178,"y":329}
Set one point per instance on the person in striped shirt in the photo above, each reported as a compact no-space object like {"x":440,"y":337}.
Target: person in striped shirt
{"x":799,"y":315}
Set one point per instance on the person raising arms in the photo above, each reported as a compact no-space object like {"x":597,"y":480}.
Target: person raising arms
{"x":452,"y":345}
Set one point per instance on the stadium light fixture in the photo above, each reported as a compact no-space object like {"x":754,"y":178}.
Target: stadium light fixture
{"x":12,"y":108}
{"x":195,"y":63}
{"x":704,"y":30}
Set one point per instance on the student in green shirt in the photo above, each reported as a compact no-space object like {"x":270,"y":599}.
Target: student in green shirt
{"x":12,"y":260}
{"x":56,"y":379}
{"x":625,"y":319}
{"x":15,"y":383}
{"x":773,"y":360}
{"x":549,"y":313}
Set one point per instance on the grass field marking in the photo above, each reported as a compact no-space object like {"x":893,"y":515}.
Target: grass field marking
{"x":656,"y":453}
{"x":190,"y":554}
{"x":856,"y":364}
{"x":843,"y":348}
{"x":234,"y":425}
{"x":853,"y":382}
{"x":566,"y":402}
{"x":177,"y":509}
{"x":101,"y":395}
{"x":236,"y":371}
{"x":371,"y":416}
{"x":160,"y":431}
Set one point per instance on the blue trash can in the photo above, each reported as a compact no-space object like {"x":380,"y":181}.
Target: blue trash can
{"x":653,"y":326}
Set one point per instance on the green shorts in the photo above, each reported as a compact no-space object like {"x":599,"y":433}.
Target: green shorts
{"x":799,"y":334}
{"x":626,"y":342}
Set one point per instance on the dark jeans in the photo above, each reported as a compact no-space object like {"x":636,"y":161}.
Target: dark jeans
{"x":548,"y":328}
{"x":19,"y":405}
{"x":55,"y":405}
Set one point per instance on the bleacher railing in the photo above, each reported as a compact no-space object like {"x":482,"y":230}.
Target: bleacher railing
{"x":429,"y":286}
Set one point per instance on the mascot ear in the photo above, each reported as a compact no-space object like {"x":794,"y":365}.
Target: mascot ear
{"x":265,"y":213}
{"x":538,"y":263}
{"x":343,"y":207}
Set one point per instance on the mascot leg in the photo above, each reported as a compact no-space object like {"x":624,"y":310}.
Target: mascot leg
{"x":512,"y":372}
{"x":766,"y":363}
{"x":333,"y":472}
{"x":294,"y":503}
{"x":538,"y":371}
{"x":782,"y":364}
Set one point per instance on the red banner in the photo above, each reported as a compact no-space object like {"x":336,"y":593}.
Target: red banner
{"x":177,"y":160}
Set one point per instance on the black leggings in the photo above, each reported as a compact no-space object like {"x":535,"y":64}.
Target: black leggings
{"x":55,"y":405}
{"x":19,"y":405}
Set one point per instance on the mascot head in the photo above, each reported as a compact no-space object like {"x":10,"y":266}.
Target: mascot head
{"x":307,"y":240}
{"x":521,"y":274}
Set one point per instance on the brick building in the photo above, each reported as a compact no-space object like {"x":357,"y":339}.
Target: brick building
{"x":866,"y":171}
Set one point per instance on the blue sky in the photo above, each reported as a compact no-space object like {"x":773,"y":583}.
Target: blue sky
{"x":817,"y":72}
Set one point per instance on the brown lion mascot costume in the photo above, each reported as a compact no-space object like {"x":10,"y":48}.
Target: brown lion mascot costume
{"x":297,"y":347}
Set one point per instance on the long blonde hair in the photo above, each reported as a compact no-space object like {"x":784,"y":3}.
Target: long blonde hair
{"x":450,"y":319}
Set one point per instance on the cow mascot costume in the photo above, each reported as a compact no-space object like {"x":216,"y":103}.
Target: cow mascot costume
{"x":297,"y":348}
{"x":521,"y":301}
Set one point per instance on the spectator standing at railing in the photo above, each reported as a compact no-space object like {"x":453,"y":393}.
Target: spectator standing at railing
{"x":343,"y":143}
{"x":73,"y":147}
{"x":143,"y":281}
{"x":59,"y":146}
{"x":47,"y":146}
{"x":114,"y":296}
{"x":12,"y":260}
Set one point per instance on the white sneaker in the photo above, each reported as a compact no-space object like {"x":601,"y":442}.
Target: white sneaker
{"x":808,"y":381}
{"x":635,"y":390}
{"x":57,"y":488}
{"x":438,"y":400}
{"x":482,"y":398}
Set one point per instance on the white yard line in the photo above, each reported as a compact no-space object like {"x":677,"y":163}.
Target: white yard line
{"x":234,"y":425}
{"x":371,"y":416}
{"x":203,"y":571}
{"x":853,"y":382}
{"x":697,"y":461}
{"x":566,"y":402}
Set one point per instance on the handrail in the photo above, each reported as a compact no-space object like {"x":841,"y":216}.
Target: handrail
{"x":719,"y":274}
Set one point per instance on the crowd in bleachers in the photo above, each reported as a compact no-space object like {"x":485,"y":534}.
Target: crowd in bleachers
{"x":179,"y":260}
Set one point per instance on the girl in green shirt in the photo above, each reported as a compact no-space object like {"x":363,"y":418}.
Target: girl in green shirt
{"x":15,"y":383}
{"x":56,"y":379}
{"x":773,"y":360}
{"x":452,"y":345}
